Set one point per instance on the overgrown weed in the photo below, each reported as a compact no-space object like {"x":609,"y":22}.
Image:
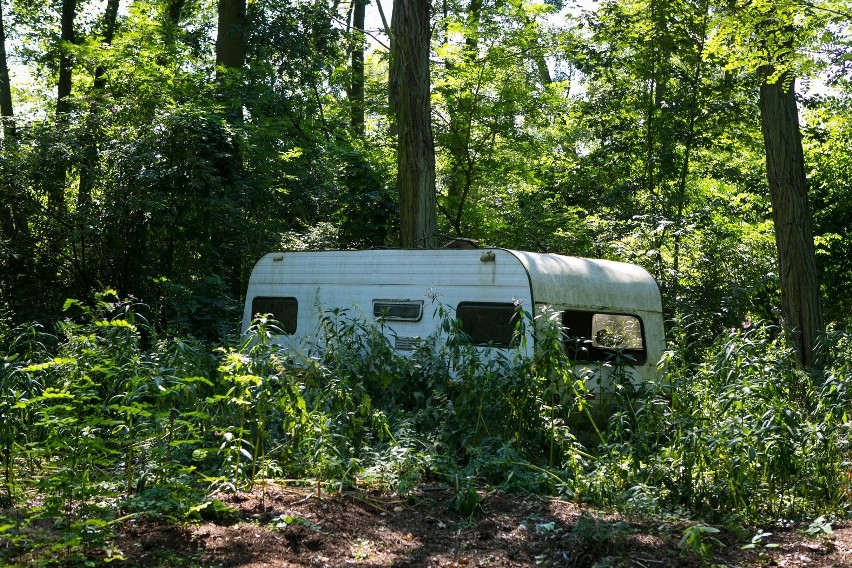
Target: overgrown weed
{"x":106,"y":419}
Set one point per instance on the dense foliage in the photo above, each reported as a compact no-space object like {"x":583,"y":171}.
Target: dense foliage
{"x":628,"y":132}
{"x":110,"y":421}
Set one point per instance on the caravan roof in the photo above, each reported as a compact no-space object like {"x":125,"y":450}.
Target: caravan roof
{"x":550,"y":278}
{"x":592,"y":283}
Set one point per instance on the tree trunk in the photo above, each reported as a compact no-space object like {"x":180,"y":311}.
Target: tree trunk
{"x":785,"y":170}
{"x":5,"y":86}
{"x":175,"y":9}
{"x":109,"y":24}
{"x":696,"y":106}
{"x":231,"y":37}
{"x":356,"y":90}
{"x":12,"y":220}
{"x":90,"y":152}
{"x":66,"y":63}
{"x":55,"y":183}
{"x":415,"y":143}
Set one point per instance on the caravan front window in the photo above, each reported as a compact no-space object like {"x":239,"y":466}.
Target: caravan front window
{"x":597,"y":336}
{"x":488,"y":323}
{"x":614,"y":331}
{"x":284,"y":310}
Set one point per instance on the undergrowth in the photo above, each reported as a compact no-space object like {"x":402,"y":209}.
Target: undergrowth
{"x":105,"y":420}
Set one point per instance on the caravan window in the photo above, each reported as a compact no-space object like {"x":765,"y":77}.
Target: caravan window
{"x":398,"y":310}
{"x":488,"y":323}
{"x":283,"y":310}
{"x":596,"y":336}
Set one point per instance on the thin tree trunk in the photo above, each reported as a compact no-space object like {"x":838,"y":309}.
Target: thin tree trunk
{"x":7,"y":223}
{"x":543,"y":70}
{"x":415,"y":142}
{"x":6,"y":110}
{"x":649,"y":182}
{"x":785,"y":171}
{"x":66,"y":62}
{"x":231,"y":49}
{"x":689,"y":145}
{"x":356,"y":91}
{"x":56,"y":183}
{"x":91,"y":154}
{"x":109,"y":24}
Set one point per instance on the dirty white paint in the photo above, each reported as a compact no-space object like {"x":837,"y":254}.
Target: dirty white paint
{"x":353,"y":279}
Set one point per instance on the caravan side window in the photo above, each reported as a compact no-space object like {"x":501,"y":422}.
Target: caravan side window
{"x":488,"y":323}
{"x":284,"y":310}
{"x":398,"y":310}
{"x":596,"y":336}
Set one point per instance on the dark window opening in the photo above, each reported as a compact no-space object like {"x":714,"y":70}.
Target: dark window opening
{"x":398,"y":310}
{"x":488,"y":323}
{"x":284,"y":311}
{"x":594,"y":336}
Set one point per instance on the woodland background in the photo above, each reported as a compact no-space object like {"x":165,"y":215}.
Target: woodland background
{"x":144,"y":152}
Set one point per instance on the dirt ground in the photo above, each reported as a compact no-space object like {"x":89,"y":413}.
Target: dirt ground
{"x":297,"y":527}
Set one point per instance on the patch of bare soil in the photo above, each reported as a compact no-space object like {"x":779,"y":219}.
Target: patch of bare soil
{"x":296,"y":527}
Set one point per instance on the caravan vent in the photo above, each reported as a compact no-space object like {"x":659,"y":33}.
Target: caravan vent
{"x":406,"y":343}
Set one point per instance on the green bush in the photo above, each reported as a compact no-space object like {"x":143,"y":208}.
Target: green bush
{"x":106,"y":418}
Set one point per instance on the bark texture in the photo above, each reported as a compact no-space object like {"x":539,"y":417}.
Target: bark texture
{"x":785,"y":170}
{"x":415,"y":141}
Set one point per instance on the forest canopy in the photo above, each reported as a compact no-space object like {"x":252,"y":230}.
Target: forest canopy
{"x":159,"y":148}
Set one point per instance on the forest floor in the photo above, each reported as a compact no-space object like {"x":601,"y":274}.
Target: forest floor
{"x":285,"y":526}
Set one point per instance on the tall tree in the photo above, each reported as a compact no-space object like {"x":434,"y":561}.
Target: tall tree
{"x":773,"y":34}
{"x":788,"y":190}
{"x":494,"y":112}
{"x":461,"y":107}
{"x":55,"y":183}
{"x":410,"y":86}
{"x":666,"y":138}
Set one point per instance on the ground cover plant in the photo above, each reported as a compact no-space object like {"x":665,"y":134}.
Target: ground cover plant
{"x":107,"y":424}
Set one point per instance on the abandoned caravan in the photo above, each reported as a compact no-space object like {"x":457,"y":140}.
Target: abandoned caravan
{"x":610,"y":306}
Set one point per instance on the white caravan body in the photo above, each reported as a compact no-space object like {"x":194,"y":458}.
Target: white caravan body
{"x":608,"y":305}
